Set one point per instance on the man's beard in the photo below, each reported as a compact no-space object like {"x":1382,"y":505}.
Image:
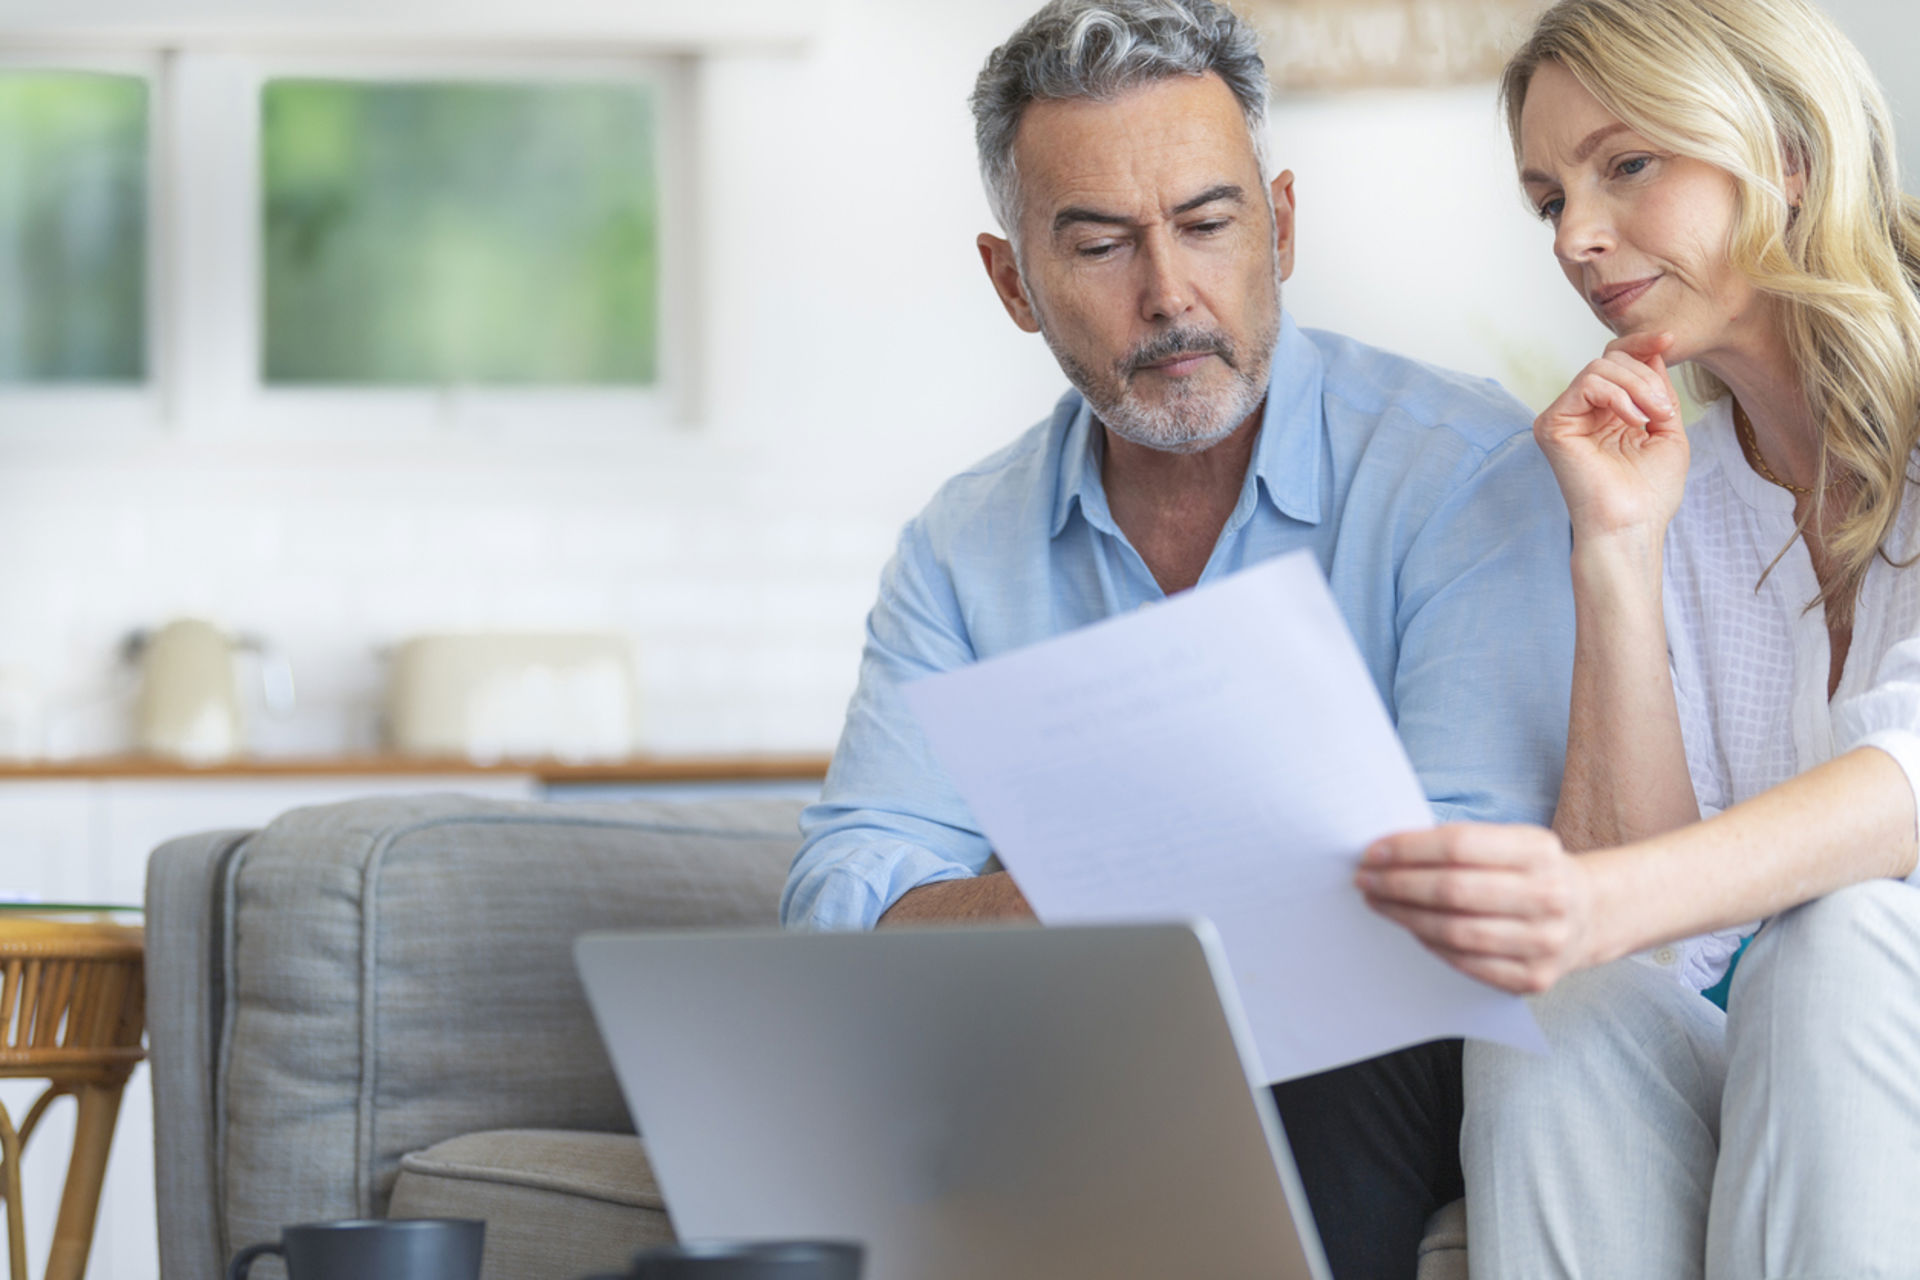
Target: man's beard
{"x":1190,"y":419}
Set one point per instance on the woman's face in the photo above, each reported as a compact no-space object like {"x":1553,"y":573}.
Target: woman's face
{"x":1641,"y":233}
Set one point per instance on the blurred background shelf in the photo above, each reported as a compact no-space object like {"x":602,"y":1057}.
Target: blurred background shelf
{"x":638,"y":770}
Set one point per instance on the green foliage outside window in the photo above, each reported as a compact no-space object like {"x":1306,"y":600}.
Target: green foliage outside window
{"x":448,"y":233}
{"x":73,"y":227}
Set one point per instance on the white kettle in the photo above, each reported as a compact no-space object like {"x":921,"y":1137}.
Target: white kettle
{"x":190,"y":708}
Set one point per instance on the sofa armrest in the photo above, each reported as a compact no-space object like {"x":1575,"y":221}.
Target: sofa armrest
{"x":389,"y":973}
{"x":183,"y":991}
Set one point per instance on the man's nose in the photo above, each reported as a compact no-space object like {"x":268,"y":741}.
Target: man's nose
{"x":1165,"y":292}
{"x":1584,"y":232}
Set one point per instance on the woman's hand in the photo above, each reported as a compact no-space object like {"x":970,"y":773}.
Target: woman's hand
{"x":1616,"y":443}
{"x":1505,"y":904}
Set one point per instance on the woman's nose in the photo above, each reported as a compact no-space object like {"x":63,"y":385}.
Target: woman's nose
{"x":1584,"y":232}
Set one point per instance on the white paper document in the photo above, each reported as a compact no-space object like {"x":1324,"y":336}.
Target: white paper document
{"x":1224,"y":754}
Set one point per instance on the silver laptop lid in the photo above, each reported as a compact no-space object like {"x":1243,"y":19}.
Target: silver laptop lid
{"x":984,"y":1102}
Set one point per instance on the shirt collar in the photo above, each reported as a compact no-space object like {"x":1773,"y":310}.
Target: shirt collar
{"x":1294,"y":426}
{"x":1715,"y":430}
{"x":1286,"y":459}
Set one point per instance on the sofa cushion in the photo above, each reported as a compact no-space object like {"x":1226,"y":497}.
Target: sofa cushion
{"x":556,"y":1204}
{"x":1443,"y":1254}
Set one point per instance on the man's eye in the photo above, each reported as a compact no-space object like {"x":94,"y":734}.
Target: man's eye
{"x":1098,"y":249}
{"x":1210,"y":226}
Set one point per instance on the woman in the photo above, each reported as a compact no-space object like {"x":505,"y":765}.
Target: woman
{"x":1745,"y":727}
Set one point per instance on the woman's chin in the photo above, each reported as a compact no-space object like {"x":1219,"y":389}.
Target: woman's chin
{"x":1642,"y":326}
{"x":1618,"y":325}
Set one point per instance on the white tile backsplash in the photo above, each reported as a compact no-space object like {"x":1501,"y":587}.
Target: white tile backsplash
{"x":745,"y":595}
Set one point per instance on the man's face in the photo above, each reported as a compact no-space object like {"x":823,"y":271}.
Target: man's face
{"x":1150,"y":257}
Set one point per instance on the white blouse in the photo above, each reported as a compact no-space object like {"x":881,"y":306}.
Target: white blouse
{"x":1750,"y":662}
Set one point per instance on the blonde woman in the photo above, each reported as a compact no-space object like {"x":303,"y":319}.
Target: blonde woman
{"x":1744,"y":749}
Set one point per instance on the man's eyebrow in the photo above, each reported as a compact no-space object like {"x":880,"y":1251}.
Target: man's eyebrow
{"x":1080,"y":213}
{"x":1588,"y":145}
{"x":1225,"y":191}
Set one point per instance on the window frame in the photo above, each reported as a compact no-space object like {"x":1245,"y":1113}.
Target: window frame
{"x":205,"y":264}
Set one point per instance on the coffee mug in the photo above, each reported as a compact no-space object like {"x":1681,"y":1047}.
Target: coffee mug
{"x":374,"y":1249}
{"x":774,"y":1260}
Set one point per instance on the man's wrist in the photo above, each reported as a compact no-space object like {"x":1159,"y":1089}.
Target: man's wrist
{"x":993,"y":896}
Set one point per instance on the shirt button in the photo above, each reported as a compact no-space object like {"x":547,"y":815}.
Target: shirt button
{"x":1666,"y":956}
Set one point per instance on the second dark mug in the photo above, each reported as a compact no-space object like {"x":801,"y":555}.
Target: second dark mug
{"x":773,"y":1260}
{"x":374,"y":1249}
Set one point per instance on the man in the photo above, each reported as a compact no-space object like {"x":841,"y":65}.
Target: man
{"x":1122,"y":144}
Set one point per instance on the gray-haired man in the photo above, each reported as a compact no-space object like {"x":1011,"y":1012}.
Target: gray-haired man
{"x":1123,"y":144}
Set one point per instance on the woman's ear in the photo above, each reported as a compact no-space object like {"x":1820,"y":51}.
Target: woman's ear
{"x":1793,"y":161}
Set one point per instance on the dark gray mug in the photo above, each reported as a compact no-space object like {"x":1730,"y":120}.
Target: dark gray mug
{"x":775,"y":1260}
{"x":375,"y":1249}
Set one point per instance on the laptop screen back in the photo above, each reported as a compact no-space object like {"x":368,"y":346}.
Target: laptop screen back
{"x":992,"y":1102}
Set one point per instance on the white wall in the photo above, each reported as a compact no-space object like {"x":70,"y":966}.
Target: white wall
{"x":1888,"y":32}
{"x":1413,"y":235}
{"x":856,"y":358}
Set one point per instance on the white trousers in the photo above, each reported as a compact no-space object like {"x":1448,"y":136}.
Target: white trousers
{"x":1663,"y":1140}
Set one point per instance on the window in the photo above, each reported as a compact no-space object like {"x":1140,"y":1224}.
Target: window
{"x":73,"y":227}
{"x":347,"y":246}
{"x":458,"y":233}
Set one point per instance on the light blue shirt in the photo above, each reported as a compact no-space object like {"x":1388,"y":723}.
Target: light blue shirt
{"x":1419,"y":491}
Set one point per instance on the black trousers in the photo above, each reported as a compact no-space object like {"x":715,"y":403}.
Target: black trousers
{"x":1378,"y":1146}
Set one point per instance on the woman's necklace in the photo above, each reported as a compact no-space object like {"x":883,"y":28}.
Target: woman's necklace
{"x":1745,"y":426}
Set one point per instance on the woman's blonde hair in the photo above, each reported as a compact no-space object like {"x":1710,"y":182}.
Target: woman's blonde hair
{"x":1761,"y":89}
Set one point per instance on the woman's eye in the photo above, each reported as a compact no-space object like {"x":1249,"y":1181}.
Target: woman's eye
{"x":1633,"y":165}
{"x":1549,"y":209}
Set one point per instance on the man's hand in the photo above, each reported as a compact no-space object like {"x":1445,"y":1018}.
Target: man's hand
{"x":990,"y":897}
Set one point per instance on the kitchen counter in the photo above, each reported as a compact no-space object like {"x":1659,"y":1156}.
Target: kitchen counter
{"x":638,"y":769}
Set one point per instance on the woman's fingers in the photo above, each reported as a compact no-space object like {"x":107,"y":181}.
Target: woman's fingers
{"x":1628,"y":381}
{"x":1478,"y":935}
{"x":1520,"y":977}
{"x":1659,"y":365}
{"x":1618,"y":385}
{"x":1649,"y":385}
{"x":1647,"y":353}
{"x":1591,"y":403}
{"x":1643,"y":346}
{"x":1621,"y":399}
{"x":1474,"y":844}
{"x":1471,"y":892}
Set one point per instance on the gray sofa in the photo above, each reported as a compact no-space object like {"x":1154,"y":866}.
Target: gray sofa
{"x":371,"y":1009}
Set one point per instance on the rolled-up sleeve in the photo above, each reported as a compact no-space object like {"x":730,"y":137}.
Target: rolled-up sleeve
{"x":888,"y":821}
{"x":1483,"y":678}
{"x":1887,"y":717}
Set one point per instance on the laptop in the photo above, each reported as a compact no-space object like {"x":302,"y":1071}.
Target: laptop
{"x":995,"y":1103}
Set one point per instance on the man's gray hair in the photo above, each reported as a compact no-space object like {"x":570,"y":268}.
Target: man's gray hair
{"x":1101,"y":49}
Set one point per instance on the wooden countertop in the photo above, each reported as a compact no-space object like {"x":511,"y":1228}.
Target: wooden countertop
{"x":729,"y":768}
